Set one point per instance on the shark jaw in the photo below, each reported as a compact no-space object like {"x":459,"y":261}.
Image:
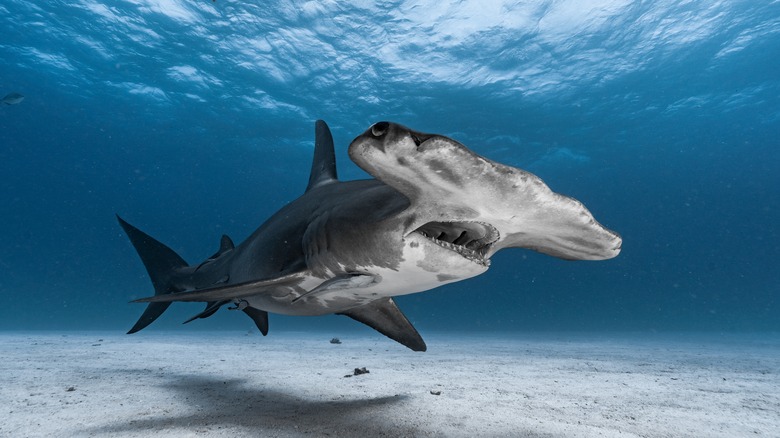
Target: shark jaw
{"x":471,"y":240}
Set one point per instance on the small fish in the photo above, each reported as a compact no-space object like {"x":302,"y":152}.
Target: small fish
{"x":12,"y":98}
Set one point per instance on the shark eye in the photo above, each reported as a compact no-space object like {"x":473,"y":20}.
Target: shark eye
{"x":416,"y":140}
{"x":379,"y":129}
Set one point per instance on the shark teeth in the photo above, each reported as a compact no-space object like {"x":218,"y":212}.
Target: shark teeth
{"x":471,"y":240}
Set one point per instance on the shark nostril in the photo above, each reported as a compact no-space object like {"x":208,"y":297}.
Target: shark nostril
{"x":379,"y":129}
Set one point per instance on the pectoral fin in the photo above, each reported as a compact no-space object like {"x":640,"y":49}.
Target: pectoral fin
{"x":385,"y":317}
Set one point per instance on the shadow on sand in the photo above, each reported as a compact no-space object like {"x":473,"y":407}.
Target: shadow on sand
{"x":233,"y":406}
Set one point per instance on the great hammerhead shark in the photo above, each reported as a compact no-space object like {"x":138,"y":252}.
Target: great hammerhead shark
{"x":434,"y":214}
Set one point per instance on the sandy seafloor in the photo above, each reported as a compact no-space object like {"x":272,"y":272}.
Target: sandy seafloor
{"x":229,"y":384}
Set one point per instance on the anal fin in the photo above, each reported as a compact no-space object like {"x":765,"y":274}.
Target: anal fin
{"x":385,"y":317}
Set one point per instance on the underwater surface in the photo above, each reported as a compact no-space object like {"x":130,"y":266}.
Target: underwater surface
{"x":194,"y":118}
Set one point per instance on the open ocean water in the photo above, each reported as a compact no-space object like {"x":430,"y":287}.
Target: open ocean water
{"x":194,"y":118}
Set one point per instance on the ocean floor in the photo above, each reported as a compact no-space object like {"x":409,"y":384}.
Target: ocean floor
{"x":228,"y":384}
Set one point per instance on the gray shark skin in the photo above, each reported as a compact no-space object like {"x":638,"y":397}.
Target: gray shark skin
{"x":434,"y":214}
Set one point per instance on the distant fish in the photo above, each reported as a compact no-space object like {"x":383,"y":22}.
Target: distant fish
{"x":12,"y":98}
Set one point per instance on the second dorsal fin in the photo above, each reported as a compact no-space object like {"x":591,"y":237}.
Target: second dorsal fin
{"x":323,"y":166}
{"x":225,"y":245}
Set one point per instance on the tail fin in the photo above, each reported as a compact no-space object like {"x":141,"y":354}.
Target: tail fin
{"x":160,"y":262}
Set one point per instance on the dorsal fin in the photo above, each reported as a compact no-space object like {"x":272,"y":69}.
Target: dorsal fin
{"x":323,"y":167}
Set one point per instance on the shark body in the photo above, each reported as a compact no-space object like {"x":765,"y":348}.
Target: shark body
{"x":434,"y":214}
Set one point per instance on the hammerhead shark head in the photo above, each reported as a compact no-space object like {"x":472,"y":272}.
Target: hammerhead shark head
{"x":434,"y":214}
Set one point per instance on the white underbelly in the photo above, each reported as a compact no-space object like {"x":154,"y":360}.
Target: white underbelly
{"x":423,"y":267}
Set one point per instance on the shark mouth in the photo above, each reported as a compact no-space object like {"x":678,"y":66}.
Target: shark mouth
{"x":471,"y":240}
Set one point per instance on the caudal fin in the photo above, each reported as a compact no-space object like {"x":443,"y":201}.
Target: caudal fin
{"x":161,"y":262}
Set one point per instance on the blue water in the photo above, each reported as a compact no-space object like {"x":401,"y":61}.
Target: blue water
{"x":194,"y":118}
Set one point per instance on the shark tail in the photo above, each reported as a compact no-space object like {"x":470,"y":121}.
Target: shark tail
{"x":161,"y":262}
